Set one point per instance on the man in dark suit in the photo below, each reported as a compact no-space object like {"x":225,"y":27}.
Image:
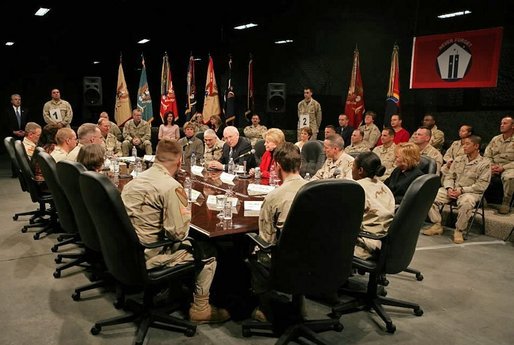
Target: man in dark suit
{"x":344,"y":130}
{"x":235,"y":147}
{"x":15,"y":118}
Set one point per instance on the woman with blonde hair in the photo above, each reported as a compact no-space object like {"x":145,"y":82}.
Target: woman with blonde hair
{"x":406,"y":171}
{"x":273,"y":138}
{"x":305,"y":136}
{"x":216,"y":125}
{"x":92,"y":156}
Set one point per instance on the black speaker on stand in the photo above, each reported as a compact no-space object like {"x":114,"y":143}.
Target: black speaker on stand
{"x":276,"y":104}
{"x":93,"y":99}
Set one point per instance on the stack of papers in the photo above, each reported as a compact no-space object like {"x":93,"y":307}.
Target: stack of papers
{"x":259,"y":189}
{"x":252,"y":208}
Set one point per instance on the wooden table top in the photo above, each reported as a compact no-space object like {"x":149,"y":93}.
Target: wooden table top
{"x":204,"y":218}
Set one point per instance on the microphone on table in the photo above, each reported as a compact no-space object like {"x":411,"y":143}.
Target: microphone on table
{"x":336,"y":173}
{"x":251,"y":152}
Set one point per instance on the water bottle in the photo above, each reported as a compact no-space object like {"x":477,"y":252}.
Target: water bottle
{"x":257,"y":173}
{"x":193,"y":159}
{"x":134,"y":151}
{"x":272,"y":176}
{"x":138,"y":167}
{"x":307,"y":177}
{"x":115,"y":166}
{"x":188,"y":187}
{"x":231,"y":166}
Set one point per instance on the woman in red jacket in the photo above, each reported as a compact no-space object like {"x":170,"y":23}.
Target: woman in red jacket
{"x":273,"y":137}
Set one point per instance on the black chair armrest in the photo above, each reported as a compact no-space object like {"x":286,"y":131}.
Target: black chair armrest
{"x":372,"y":236}
{"x":161,"y":243}
{"x":261,"y":243}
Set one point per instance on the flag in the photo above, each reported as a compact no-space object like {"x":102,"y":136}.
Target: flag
{"x":211,"y":102}
{"x":191,"y":89}
{"x":393,"y":91}
{"x":144,"y":101}
{"x":354,"y":107}
{"x":168,"y":100}
{"x":229,"y":97}
{"x":122,"y":108}
{"x":250,"y":101}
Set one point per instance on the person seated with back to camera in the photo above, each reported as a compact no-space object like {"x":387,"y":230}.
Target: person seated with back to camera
{"x":235,"y":147}
{"x":273,"y":138}
{"x":378,"y":205}
{"x":92,"y":157}
{"x":273,"y":214}
{"x":406,"y":171}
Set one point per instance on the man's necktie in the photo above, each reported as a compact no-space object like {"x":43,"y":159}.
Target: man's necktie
{"x":18,"y":117}
{"x":230,"y":153}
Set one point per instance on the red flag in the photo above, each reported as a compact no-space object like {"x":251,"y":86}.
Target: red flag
{"x":393,"y":90}
{"x":354,"y":108}
{"x":168,"y":99}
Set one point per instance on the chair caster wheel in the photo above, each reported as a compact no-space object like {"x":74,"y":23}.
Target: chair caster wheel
{"x":419,"y":277}
{"x":15,"y":218}
{"x":246,"y":333}
{"x":95,"y":330}
{"x":36,"y":236}
{"x":189,"y":332}
{"x":57,"y":274}
{"x":338,"y":327}
{"x":54,"y":249}
{"x":76,"y":296}
{"x":391,"y":328}
{"x":118,"y":303}
{"x":418,"y":312}
{"x":24,"y":229}
{"x":58,"y":259}
{"x":60,"y":238}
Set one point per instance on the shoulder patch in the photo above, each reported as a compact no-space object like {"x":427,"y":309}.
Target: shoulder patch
{"x":181,"y":195}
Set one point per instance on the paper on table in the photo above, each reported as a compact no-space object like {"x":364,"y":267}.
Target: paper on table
{"x":227,"y":178}
{"x":211,"y":200}
{"x":127,"y":159}
{"x":194,"y":195}
{"x":259,"y":189}
{"x":197,"y":170}
{"x":252,"y":208}
{"x":149,"y":158}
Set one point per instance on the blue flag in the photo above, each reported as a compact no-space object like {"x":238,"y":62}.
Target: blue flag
{"x":144,"y":101}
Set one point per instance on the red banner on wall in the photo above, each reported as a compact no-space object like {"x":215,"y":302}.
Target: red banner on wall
{"x":456,"y":60}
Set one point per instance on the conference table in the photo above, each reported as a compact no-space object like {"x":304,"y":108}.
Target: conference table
{"x":204,"y":218}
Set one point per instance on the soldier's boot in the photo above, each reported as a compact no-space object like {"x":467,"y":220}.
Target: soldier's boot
{"x":436,"y":229}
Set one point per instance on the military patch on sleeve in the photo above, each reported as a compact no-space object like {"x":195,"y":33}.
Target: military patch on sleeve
{"x":181,"y":195}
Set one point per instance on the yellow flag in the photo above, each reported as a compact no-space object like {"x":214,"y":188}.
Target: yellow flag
{"x":122,"y":108}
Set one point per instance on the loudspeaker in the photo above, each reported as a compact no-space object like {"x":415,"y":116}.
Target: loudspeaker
{"x":92,"y":90}
{"x":276,"y":101}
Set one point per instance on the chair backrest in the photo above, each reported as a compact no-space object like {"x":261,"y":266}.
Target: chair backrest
{"x":427,"y":165}
{"x":313,"y":157}
{"x":199,"y":135}
{"x":400,"y":244}
{"x":69,"y":173}
{"x":354,"y":154}
{"x":9,"y":146}
{"x":259,"y":150}
{"x":62,"y":205}
{"x":121,"y":250}
{"x":315,"y":250}
{"x":26,"y":172}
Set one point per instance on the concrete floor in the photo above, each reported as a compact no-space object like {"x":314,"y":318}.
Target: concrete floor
{"x":466,"y":295}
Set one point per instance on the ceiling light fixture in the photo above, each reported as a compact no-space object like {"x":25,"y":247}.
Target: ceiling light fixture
{"x":143,"y":41}
{"x":42,"y":11}
{"x":245,"y":26}
{"x":453,"y":14}
{"x":283,"y":41}
{"x":96,"y":62}
{"x":9,"y":43}
{"x":197,"y":59}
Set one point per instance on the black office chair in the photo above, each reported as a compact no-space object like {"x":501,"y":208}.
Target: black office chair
{"x":427,"y":165}
{"x":313,"y":157}
{"x":395,"y":255}
{"x":37,"y":194}
{"x":69,"y":173}
{"x":199,"y":135}
{"x":125,"y":258}
{"x":259,"y":150}
{"x":314,"y":253}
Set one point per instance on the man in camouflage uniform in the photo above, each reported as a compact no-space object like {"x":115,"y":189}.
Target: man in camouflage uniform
{"x":338,"y":163}
{"x":213,"y":148}
{"x":110,"y":143}
{"x":370,"y":130}
{"x":255,"y":131}
{"x":456,"y":149}
{"x":422,"y":139}
{"x":157,"y":206}
{"x":466,"y":181}
{"x":437,"y":137}
{"x":309,"y":106}
{"x":357,"y":143}
{"x":114,"y":129}
{"x":386,"y":152}
{"x":136,"y":132}
{"x":501,"y":153}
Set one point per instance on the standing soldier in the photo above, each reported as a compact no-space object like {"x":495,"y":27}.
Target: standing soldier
{"x":309,"y":113}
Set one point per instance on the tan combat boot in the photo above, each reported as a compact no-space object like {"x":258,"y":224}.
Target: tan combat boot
{"x":202,"y":312}
{"x":457,"y":237}
{"x":435,"y":229}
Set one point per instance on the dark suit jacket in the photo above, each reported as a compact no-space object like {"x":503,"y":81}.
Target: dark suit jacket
{"x":242,"y":146}
{"x":346,"y":133}
{"x":11,"y":122}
